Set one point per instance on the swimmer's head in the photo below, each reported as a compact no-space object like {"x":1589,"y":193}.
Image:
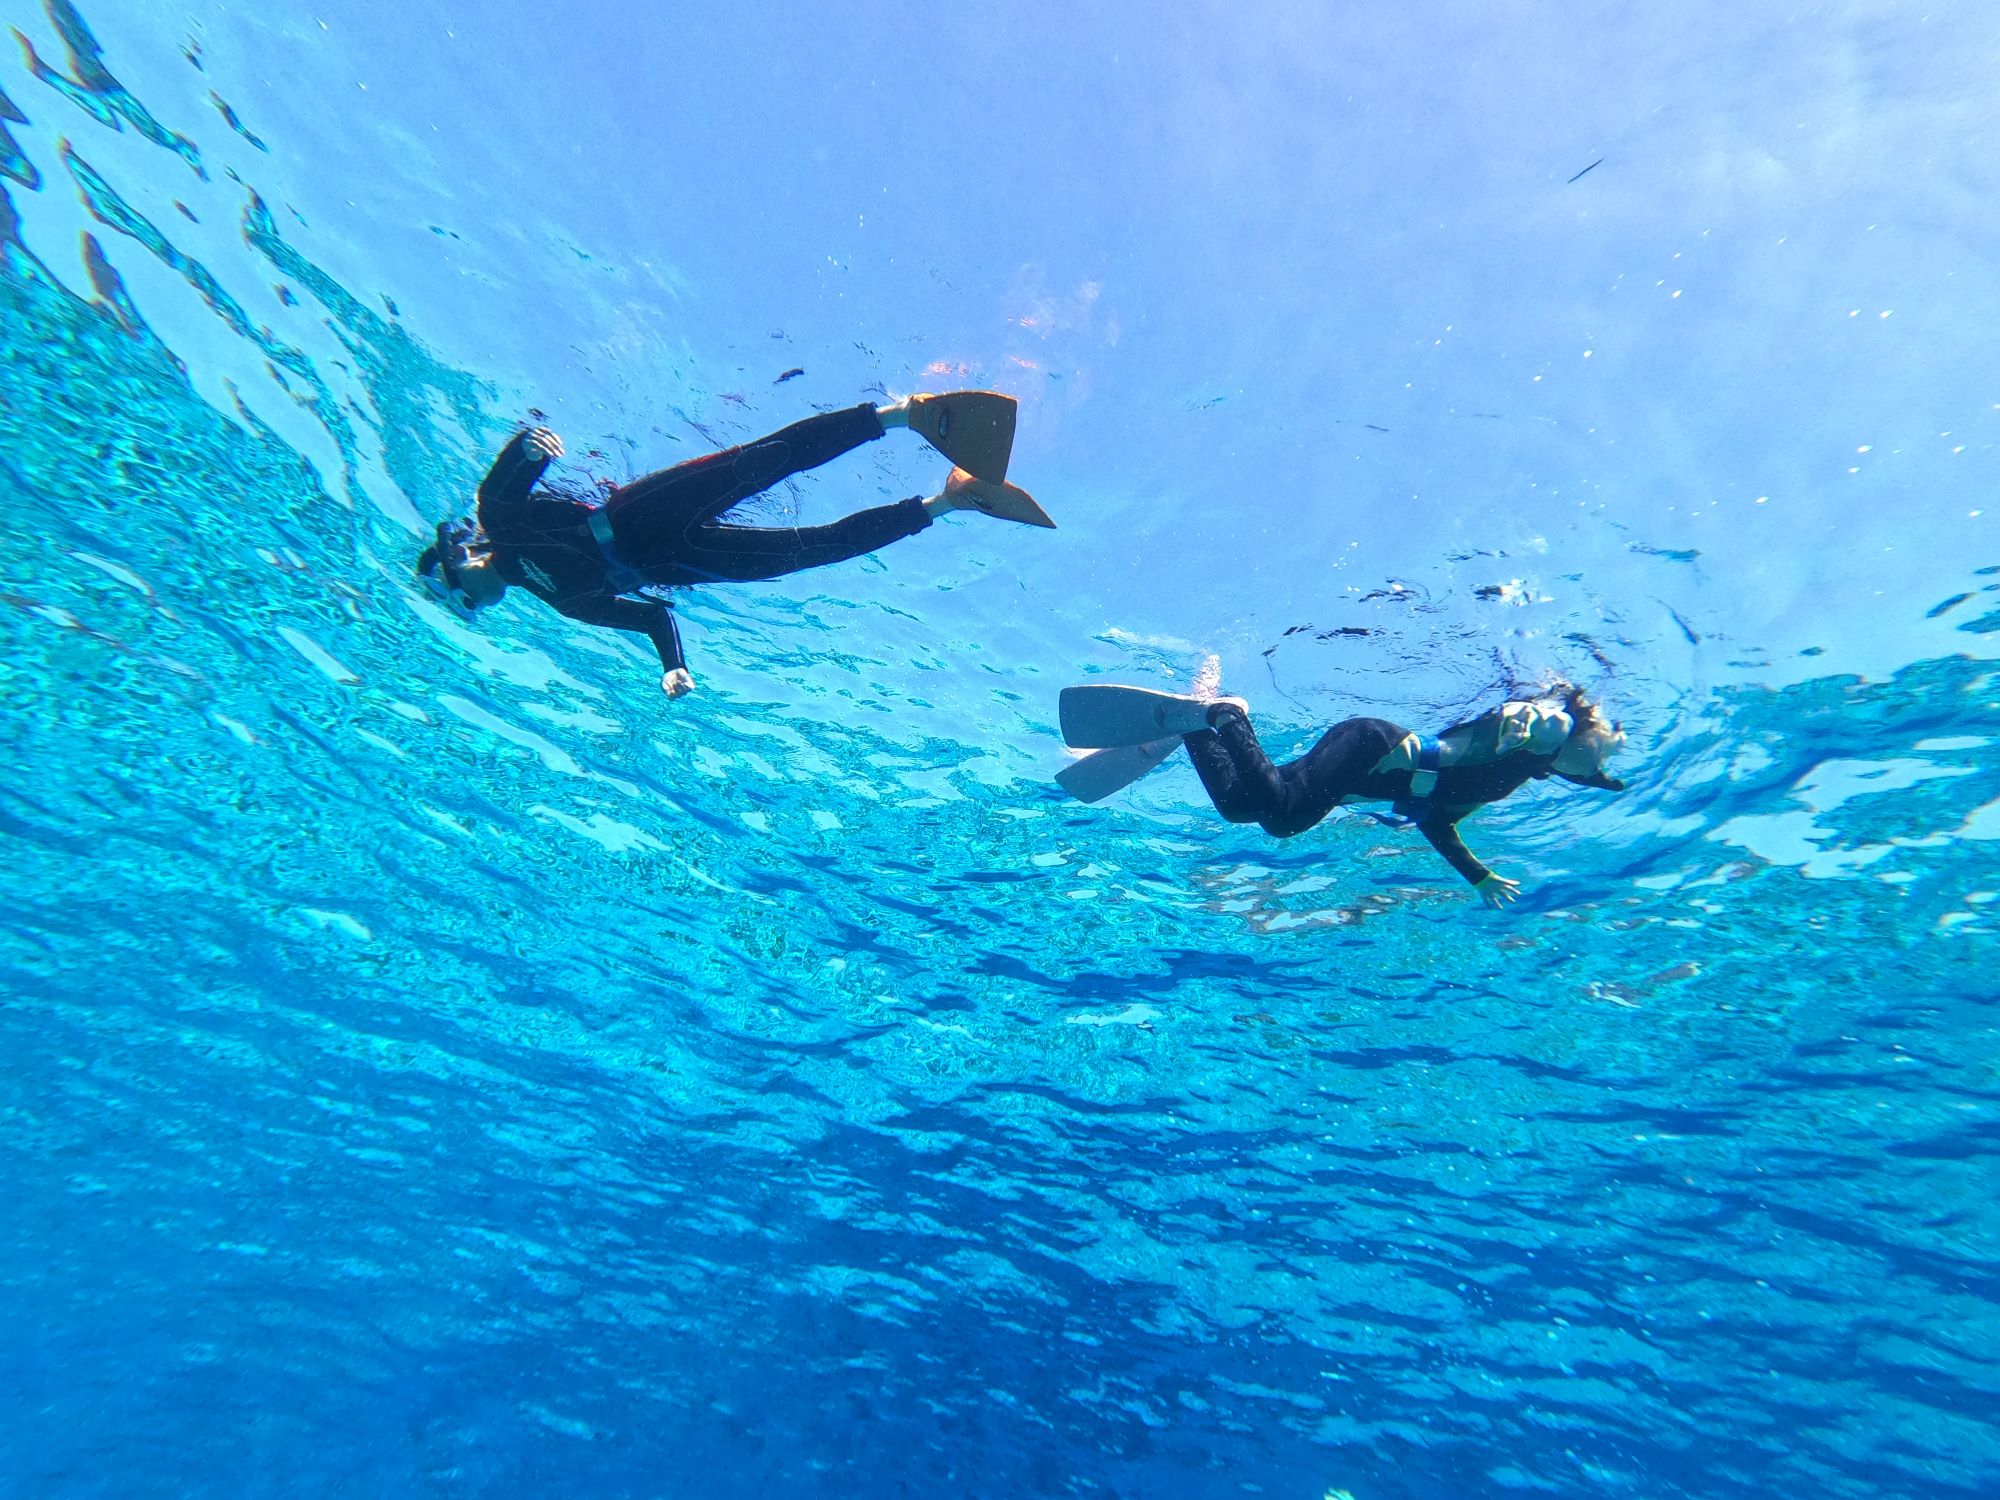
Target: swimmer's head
{"x":1592,"y":741}
{"x":458,"y":570}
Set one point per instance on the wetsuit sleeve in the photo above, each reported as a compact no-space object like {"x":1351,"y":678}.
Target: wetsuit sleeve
{"x":513,"y":474}
{"x":647,"y":617}
{"x":1442,"y":831}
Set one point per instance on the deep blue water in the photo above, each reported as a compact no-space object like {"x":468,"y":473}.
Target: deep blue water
{"x":435,"y":1065}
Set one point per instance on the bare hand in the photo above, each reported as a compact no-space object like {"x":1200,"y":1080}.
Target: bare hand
{"x":1498,"y":891}
{"x":677,"y":683}
{"x":543,"y":445}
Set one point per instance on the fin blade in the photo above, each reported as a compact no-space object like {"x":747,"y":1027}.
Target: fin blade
{"x":1099,"y":715}
{"x":1102,"y":772}
{"x":1004,"y":502}
{"x":974,"y":429}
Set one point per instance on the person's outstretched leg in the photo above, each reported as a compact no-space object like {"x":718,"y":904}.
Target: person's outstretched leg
{"x":1239,"y":777}
{"x":1287,"y":800}
{"x":1334,"y":768}
{"x":651,"y":518}
{"x":742,"y":554}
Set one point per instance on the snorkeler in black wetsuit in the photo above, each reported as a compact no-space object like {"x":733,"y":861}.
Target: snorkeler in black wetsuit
{"x":598,"y":562}
{"x":1432,"y":783}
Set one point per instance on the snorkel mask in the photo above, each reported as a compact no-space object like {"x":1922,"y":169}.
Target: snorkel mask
{"x":440,"y":575}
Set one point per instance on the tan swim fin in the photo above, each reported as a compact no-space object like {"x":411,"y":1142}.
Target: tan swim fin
{"x":1005,"y":502}
{"x":974,"y":429}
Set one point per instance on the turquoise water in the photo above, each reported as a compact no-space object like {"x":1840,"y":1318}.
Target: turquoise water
{"x":437,"y":1065}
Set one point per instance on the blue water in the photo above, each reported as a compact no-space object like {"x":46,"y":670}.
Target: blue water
{"x":436,"y":1065}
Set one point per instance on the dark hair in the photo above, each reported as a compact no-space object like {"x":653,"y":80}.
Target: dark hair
{"x":428,"y":560}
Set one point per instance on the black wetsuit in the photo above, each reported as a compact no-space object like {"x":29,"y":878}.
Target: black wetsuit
{"x":1289,"y":799}
{"x":665,"y":530}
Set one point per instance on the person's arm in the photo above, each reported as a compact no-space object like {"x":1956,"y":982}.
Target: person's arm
{"x":1441,"y":828}
{"x":519,"y":467}
{"x":652,"y":618}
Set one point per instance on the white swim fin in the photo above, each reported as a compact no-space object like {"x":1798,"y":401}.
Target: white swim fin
{"x":1095,"y":776}
{"x":1097,"y":715}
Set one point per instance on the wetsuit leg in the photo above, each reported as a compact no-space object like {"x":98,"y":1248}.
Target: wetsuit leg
{"x":1289,"y":799}
{"x":652,"y":518}
{"x":1239,"y":776}
{"x":740,"y":554}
